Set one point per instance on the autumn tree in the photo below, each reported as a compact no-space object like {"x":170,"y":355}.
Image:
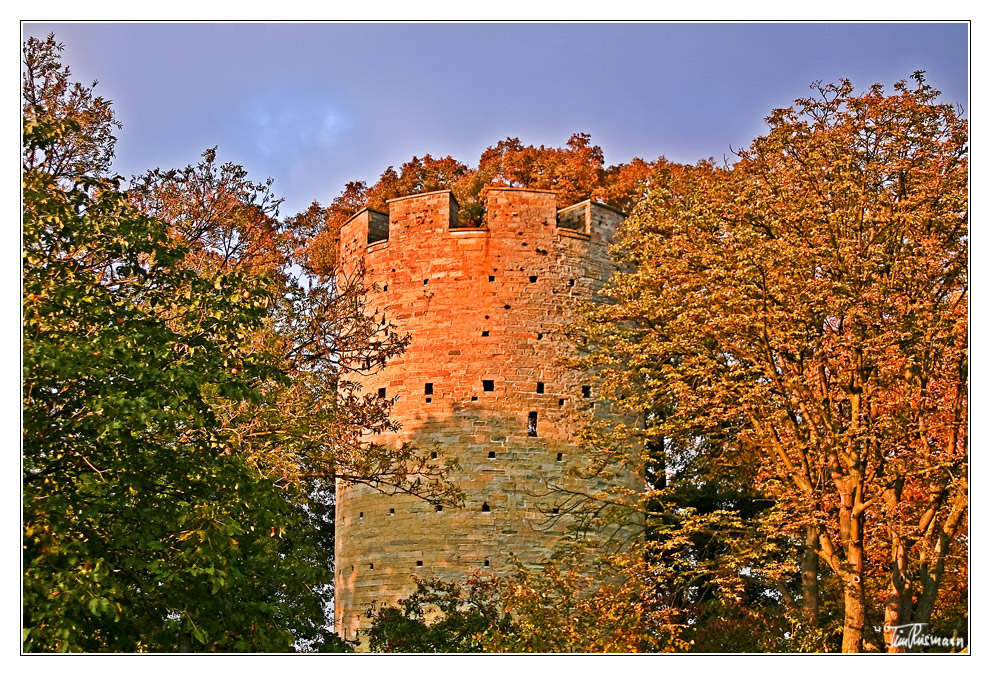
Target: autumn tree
{"x":228,"y":221}
{"x":316,"y":232}
{"x":806,"y":309}
{"x":84,"y":143}
{"x":416,"y":176}
{"x":564,"y":606}
{"x":308,"y":426}
{"x":624,"y":185}
{"x":575,"y":171}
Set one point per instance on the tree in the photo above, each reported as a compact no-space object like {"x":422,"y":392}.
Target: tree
{"x":563,"y":607}
{"x":576,"y":172}
{"x":440,"y":617}
{"x":570,"y":606}
{"x":316,"y":232}
{"x":624,"y":185}
{"x":226,"y":219}
{"x":807,"y":307}
{"x":307,"y":427}
{"x":184,"y":411}
{"x":141,"y":530}
{"x":415,"y":176}
{"x":85,"y":148}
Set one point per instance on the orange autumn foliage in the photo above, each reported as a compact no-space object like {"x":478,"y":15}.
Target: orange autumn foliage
{"x":808,"y":307}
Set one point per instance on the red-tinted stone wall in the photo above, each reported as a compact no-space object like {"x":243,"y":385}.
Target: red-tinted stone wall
{"x":481,"y":305}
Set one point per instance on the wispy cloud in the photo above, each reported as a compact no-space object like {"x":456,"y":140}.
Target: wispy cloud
{"x":284,"y":128}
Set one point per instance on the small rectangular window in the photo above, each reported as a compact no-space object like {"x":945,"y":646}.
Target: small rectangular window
{"x":488,"y":385}
{"x":428,"y":388}
{"x":533,"y":278}
{"x":540,"y":388}
{"x":491,"y":278}
{"x":586,"y":391}
{"x":531,"y":424}
{"x":485,"y":334}
{"x":381,"y":393}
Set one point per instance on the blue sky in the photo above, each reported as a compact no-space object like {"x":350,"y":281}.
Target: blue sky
{"x":314,"y":105}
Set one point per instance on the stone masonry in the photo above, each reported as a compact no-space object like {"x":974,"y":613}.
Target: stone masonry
{"x":481,"y":382}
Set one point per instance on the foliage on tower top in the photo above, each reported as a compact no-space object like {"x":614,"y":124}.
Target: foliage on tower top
{"x":575,"y":172}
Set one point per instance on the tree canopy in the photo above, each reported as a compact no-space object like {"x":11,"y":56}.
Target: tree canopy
{"x":141,"y":530}
{"x":803,"y":314}
{"x":185,"y":410}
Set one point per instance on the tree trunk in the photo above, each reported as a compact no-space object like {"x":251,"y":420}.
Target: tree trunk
{"x":810,"y":578}
{"x":932,"y":572}
{"x":898,"y":605}
{"x":854,"y":608}
{"x":855,"y":615}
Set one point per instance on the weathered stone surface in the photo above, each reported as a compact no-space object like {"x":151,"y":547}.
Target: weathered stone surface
{"x":481,"y":304}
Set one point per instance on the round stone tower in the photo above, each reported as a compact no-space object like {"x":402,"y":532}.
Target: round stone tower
{"x":481,"y":382}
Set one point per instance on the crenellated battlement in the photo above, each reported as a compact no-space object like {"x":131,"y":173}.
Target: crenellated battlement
{"x":411,"y":219}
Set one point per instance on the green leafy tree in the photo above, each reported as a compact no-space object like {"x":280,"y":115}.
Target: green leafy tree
{"x":440,"y":617}
{"x":141,"y":530}
{"x":184,"y":412}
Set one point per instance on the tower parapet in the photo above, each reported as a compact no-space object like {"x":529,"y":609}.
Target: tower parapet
{"x":482,"y":381}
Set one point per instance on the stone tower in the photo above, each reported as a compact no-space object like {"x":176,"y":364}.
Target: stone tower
{"x":482,"y":381}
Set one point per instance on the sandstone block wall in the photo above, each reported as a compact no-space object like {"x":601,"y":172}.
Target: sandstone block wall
{"x":482,"y":382}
